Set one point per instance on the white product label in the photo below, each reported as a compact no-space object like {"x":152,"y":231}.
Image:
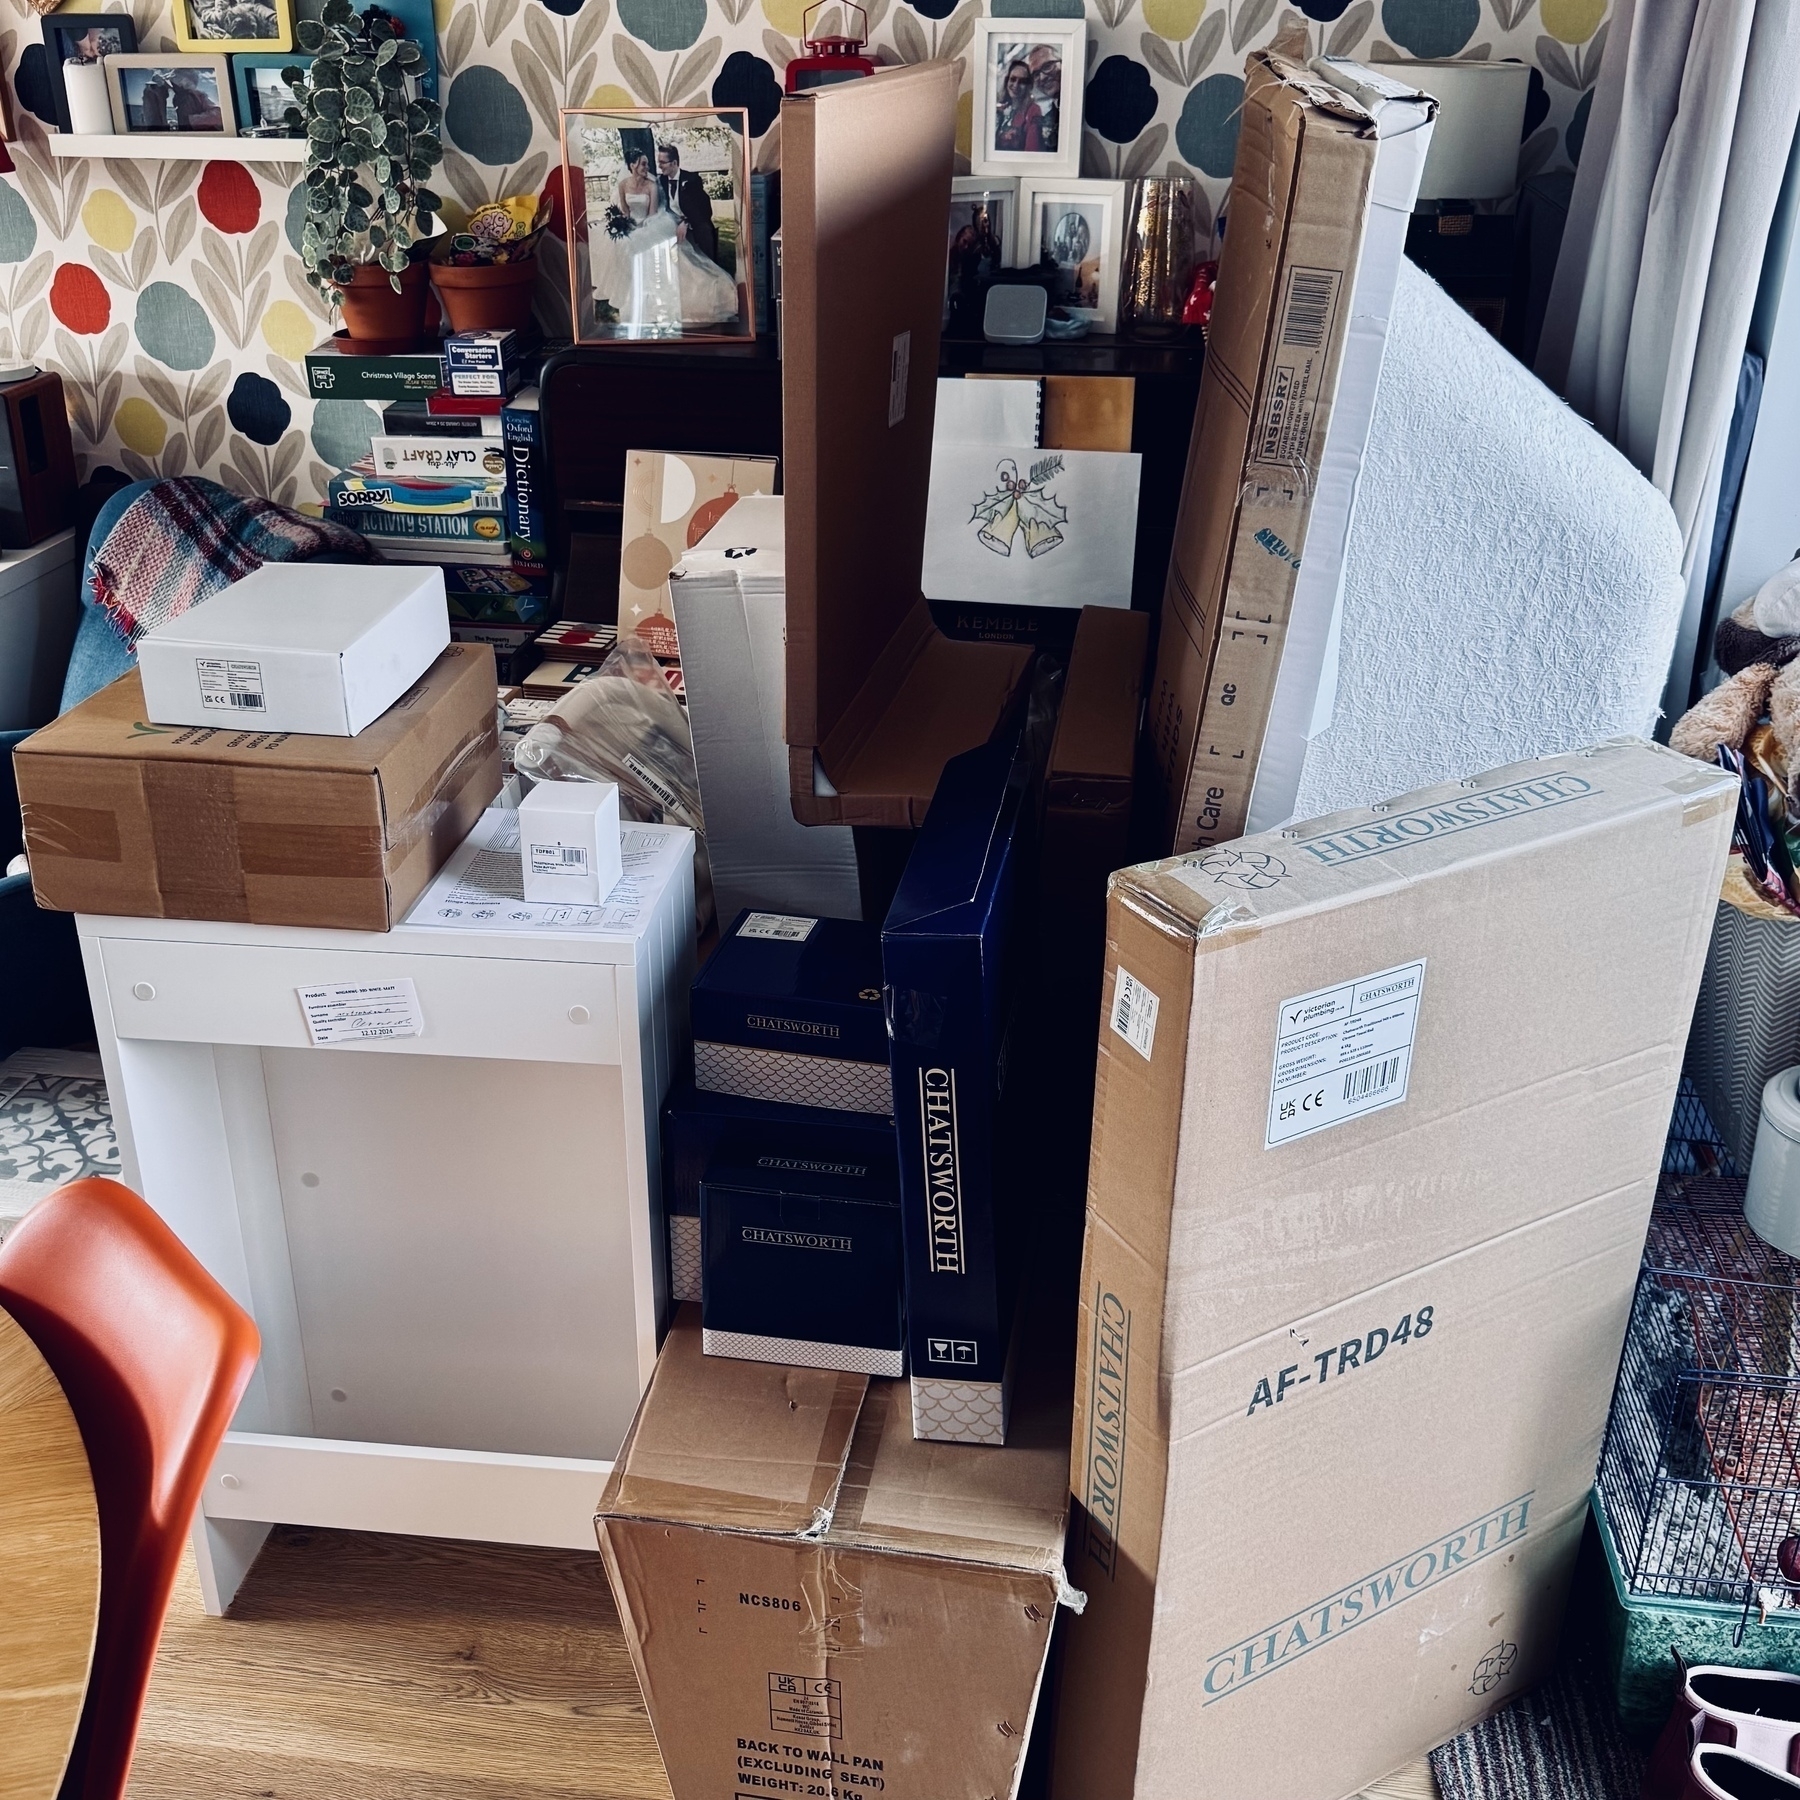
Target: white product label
{"x":1134,"y":1011}
{"x":560,"y":859}
{"x":1343,"y":1052}
{"x":354,"y":1012}
{"x":899,"y":371}
{"x":782,"y":926}
{"x":658,"y":787}
{"x":230,"y":686}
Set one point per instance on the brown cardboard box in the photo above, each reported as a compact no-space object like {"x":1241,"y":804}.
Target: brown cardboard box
{"x":1298,"y":206}
{"x":878,"y":699}
{"x":1380,"y":1110}
{"x":267,"y":828}
{"x":819,"y":1604}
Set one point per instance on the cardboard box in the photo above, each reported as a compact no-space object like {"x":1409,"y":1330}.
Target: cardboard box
{"x":265,"y":828}
{"x":815,"y":1603}
{"x":290,"y":648}
{"x":730,"y":601}
{"x":696,"y":1122}
{"x":1379,"y":1116}
{"x":801,"y":1254}
{"x":1306,"y":160}
{"x":569,"y":842}
{"x":788,"y":1008}
{"x":947,"y":956}
{"x":878,"y":699}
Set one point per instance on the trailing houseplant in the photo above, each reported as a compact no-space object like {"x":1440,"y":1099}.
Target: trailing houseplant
{"x":371,"y":147}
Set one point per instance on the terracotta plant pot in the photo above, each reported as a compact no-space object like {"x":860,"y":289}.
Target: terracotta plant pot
{"x":486,"y":296}
{"x":377,"y":321}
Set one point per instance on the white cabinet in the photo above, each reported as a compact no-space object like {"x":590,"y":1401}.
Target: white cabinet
{"x":452,"y":1243}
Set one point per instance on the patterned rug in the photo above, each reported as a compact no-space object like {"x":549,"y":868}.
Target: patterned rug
{"x":1562,"y":1742}
{"x":55,"y":1124}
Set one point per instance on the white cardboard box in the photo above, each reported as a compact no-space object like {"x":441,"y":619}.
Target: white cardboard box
{"x":1379,"y":1115}
{"x":322,"y":649}
{"x":569,"y":842}
{"x":730,"y":597}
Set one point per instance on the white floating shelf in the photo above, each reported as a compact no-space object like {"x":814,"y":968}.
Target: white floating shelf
{"x":174,"y":146}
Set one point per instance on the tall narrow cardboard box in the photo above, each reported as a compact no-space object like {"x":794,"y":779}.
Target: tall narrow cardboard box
{"x":1379,"y":1116}
{"x":1324,"y":181}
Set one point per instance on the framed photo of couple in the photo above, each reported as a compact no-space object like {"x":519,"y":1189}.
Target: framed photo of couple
{"x":659,"y":223}
{"x":1028,"y":75}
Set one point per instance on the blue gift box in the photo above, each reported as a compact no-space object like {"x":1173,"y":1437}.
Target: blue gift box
{"x":946,"y":952}
{"x":789,"y":1009}
{"x":696,"y":1123}
{"x":800,"y":1244}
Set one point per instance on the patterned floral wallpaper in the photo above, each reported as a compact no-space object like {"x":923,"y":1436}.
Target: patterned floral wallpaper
{"x":170,"y":295}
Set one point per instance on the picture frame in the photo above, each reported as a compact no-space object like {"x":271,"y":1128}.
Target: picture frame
{"x":1027,"y":117}
{"x":67,"y":34}
{"x":660,"y":247}
{"x":1080,"y":227}
{"x":135,"y":91}
{"x":222,"y":27}
{"x":252,"y":95}
{"x":984,"y":226}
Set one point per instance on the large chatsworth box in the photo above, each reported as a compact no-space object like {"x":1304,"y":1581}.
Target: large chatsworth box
{"x":1379,"y":1116}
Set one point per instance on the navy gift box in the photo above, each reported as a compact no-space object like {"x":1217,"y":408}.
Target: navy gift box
{"x":946,"y":951}
{"x":789,"y":1009}
{"x":801,"y":1252}
{"x":695,"y":1123}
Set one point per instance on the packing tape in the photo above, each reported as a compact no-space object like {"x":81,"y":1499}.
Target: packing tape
{"x":440,"y":790}
{"x":80,"y":833}
{"x":194,"y":826}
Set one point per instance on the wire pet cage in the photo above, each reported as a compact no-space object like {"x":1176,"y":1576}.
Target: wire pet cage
{"x":1700,"y":1474}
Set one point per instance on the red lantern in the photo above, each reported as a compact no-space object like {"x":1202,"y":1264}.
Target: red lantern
{"x":829,"y":59}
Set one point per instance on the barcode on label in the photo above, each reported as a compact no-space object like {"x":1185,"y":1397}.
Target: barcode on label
{"x":1134,"y":1011}
{"x":251,"y":700}
{"x":569,"y":855}
{"x":1310,"y":296}
{"x":1371,"y":1078}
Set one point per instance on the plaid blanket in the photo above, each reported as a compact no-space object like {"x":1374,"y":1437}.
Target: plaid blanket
{"x":185,"y":538}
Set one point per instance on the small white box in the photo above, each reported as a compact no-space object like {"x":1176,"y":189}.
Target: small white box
{"x":323,"y":649}
{"x":569,"y":841}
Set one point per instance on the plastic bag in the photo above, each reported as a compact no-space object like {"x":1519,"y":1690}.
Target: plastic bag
{"x":624,"y":725}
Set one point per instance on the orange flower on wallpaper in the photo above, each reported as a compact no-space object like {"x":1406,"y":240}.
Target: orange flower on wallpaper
{"x":228,"y":197}
{"x":80,"y":300}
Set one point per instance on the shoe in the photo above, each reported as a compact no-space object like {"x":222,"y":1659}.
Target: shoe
{"x":1754,"y":1711}
{"x":1719,"y":1773}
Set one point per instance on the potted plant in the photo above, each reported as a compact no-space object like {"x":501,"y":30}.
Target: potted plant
{"x":370,"y":148}
{"x":485,"y":272}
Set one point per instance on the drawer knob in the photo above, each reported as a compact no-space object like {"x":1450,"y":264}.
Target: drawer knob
{"x":230,"y":1481}
{"x":142,"y":990}
{"x":578,"y":1015}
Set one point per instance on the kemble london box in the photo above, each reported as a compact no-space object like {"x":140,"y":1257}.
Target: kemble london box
{"x":1379,"y":1117}
{"x":266,"y":827}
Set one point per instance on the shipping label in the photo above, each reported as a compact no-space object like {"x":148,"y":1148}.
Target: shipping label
{"x":782,"y":928}
{"x":1343,"y":1052}
{"x":229,"y":685}
{"x":1292,"y":386}
{"x":560,"y":859}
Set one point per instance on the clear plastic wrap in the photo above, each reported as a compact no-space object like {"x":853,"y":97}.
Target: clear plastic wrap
{"x":624,"y":725}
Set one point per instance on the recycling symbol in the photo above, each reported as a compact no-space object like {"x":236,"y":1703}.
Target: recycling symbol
{"x":1494,"y":1668}
{"x":1243,"y":868}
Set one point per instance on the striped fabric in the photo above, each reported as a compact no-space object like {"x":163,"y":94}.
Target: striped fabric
{"x":1561,"y":1742}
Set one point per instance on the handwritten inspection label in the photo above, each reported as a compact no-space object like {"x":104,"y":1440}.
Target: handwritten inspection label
{"x":358,"y":1012}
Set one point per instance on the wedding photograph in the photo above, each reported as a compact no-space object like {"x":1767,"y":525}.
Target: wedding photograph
{"x":666,"y":211}
{"x":1024,"y":118}
{"x":170,"y":93}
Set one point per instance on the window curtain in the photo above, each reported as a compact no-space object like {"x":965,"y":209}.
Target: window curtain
{"x":1687,"y":142}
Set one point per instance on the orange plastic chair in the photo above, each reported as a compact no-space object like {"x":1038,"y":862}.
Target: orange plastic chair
{"x":153,"y":1355}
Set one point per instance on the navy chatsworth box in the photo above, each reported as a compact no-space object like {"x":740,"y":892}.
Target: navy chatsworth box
{"x":695,"y":1123}
{"x":946,"y":951}
{"x":789,"y":1009}
{"x":801,"y":1247}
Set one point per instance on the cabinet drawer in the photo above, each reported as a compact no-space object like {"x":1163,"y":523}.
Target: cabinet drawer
{"x":472,"y":1006}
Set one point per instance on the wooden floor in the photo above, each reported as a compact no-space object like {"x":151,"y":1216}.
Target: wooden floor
{"x":357,"y":1667}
